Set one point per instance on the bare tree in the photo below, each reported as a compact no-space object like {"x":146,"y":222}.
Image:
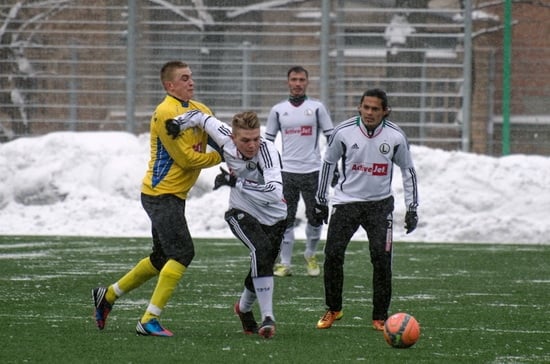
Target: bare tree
{"x":402,"y":64}
{"x":17,"y":32}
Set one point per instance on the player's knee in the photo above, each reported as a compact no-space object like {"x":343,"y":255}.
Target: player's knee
{"x":290,"y":222}
{"x":334,"y":257}
{"x":265,"y":267}
{"x":382,"y":260}
{"x":158,"y":260}
{"x":186,"y":258}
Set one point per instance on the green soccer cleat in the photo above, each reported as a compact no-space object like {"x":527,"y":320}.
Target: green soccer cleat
{"x":312,"y":267}
{"x":282,"y":270}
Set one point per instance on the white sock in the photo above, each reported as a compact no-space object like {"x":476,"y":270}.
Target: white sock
{"x":119,"y":293}
{"x":264,"y":292}
{"x":313,"y":235}
{"x":247,"y":300}
{"x":287,"y":246}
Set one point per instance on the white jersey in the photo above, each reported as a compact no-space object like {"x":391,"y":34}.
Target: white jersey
{"x":367,"y":163}
{"x":259,"y":187}
{"x":300,"y":127}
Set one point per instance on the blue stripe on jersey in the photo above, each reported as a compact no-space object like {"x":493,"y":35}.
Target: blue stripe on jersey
{"x":163,"y":163}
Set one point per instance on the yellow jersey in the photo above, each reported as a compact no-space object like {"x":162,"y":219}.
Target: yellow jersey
{"x":175,"y":164}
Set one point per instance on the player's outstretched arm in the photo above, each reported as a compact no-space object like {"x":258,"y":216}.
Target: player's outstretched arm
{"x":219,"y":131}
{"x":185,"y":121}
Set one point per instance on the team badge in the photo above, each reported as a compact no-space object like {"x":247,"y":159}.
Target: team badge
{"x":250,"y":165}
{"x":384,"y":148}
{"x":309,"y":112}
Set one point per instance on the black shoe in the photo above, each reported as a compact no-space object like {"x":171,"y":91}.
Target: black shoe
{"x":267,"y":329}
{"x":247,"y":320}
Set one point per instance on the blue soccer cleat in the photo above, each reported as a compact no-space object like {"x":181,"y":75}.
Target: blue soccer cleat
{"x":152,"y":328}
{"x":102,"y":307}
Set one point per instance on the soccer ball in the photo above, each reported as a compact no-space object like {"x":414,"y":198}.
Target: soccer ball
{"x":401,"y":330}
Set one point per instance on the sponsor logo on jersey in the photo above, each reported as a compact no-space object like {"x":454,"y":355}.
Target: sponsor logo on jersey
{"x":375,"y":169}
{"x":354,"y":146}
{"x":197,"y":147}
{"x":305,"y":130}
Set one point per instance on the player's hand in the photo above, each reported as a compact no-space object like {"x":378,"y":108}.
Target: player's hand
{"x":320,"y":213}
{"x":188,"y":120}
{"x":411,"y":220}
{"x":335,"y":177}
{"x":172,"y":128}
{"x":224,"y":179}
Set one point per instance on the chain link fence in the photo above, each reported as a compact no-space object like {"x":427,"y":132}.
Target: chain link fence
{"x":80,"y":65}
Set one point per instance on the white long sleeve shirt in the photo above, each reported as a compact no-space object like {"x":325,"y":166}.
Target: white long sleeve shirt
{"x":300,"y":127}
{"x":367,"y":162}
{"x":259,"y":187}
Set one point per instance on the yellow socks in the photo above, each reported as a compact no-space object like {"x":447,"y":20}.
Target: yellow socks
{"x":141,"y":273}
{"x":169,"y":277}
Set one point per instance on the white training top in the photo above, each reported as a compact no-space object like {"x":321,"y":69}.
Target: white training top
{"x":300,"y":127}
{"x":259,"y":187}
{"x":367,"y":163}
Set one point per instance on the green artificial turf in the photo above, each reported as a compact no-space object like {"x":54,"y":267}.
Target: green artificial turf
{"x":475,"y":303}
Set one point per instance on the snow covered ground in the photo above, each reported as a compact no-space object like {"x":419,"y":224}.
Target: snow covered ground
{"x":88,"y":184}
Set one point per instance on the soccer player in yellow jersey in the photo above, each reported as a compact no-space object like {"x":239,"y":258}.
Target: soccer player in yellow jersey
{"x":174,"y":166}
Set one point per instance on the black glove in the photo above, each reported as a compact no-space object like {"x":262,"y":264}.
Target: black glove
{"x":335,"y":177}
{"x":224,"y":179}
{"x":411,"y":220}
{"x":320,"y":213}
{"x":188,"y":120}
{"x":172,"y":128}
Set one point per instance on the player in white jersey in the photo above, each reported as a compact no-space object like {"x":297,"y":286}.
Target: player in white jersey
{"x":300,"y":120}
{"x":368,"y":146}
{"x":257,"y":210}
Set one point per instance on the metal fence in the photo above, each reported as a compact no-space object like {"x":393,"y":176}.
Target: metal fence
{"x":81,"y":65}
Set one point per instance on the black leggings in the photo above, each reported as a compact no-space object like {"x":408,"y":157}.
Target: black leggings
{"x":263,"y":242}
{"x":171,"y":237}
{"x":305,"y":184}
{"x":376,"y":218}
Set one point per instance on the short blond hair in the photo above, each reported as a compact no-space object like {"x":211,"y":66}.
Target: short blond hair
{"x":246,"y":120}
{"x":167,"y":70}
